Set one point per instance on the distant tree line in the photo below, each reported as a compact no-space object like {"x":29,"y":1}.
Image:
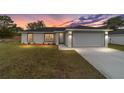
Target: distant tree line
{"x":114,"y":23}
{"x":7,"y":27}
{"x":35,"y":25}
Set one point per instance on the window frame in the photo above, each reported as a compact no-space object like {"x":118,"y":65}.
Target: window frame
{"x":28,"y":37}
{"x":49,"y":40}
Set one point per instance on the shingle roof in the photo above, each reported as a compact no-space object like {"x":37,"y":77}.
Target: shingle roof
{"x":49,"y":29}
{"x":86,"y":27}
{"x":60,"y":29}
{"x":63,"y":28}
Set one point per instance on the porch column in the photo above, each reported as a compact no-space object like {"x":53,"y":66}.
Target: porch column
{"x":106,"y":39}
{"x":57,"y":38}
{"x":70,"y":39}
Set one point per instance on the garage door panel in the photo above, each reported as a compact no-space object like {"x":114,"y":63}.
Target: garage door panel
{"x":88,"y":39}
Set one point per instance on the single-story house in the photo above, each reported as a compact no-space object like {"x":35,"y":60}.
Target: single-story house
{"x":70,"y":37}
{"x":117,"y":37}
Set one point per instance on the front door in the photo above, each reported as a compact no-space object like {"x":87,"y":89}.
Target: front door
{"x":61,"y":38}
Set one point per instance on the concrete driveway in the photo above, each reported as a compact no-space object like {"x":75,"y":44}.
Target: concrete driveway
{"x":109,"y":62}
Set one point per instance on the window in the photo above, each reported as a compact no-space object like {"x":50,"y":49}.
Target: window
{"x":30,"y":37}
{"x":49,"y":37}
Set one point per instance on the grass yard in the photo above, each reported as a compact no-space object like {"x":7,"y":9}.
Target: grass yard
{"x":46,"y":62}
{"x":116,"y":46}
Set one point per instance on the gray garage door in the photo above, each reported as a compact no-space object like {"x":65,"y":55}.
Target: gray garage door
{"x":83,"y":39}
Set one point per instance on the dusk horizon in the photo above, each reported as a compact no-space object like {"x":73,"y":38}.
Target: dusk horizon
{"x":62,"y":20}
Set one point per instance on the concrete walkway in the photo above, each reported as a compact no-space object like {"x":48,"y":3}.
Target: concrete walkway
{"x":63,"y":47}
{"x":109,"y":62}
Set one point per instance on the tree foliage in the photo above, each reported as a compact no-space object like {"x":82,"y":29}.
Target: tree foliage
{"x":5,"y":22}
{"x":35,"y":25}
{"x":7,"y":27}
{"x":114,"y":23}
{"x":6,"y":33}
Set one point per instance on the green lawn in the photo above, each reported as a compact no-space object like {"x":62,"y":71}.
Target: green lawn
{"x":116,"y":46}
{"x":17,"y":61}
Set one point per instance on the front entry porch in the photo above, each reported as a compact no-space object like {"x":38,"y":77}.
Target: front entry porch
{"x":61,"y":38}
{"x":64,"y":47}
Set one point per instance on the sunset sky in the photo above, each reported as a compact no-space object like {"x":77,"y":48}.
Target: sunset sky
{"x":52,"y":20}
{"x":49,"y":19}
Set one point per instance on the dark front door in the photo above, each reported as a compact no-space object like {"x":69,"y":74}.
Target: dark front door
{"x":61,"y":38}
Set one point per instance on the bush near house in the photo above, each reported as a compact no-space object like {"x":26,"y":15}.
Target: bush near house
{"x":6,"y":33}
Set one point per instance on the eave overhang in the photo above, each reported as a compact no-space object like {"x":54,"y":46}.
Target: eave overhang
{"x":99,"y":30}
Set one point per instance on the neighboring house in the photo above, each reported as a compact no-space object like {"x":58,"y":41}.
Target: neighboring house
{"x":70,"y":37}
{"x":117,"y":37}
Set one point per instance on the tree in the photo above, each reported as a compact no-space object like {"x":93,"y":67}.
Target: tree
{"x":17,"y":28}
{"x":5,"y":21}
{"x":6,"y":33}
{"x":35,"y":25}
{"x":7,"y":27}
{"x":20,"y":29}
{"x":114,"y":23}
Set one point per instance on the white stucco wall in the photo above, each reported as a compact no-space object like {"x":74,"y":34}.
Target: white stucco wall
{"x":68,"y":39}
{"x":24,"y":38}
{"x":57,"y":38}
{"x":106,"y":39}
{"x":117,"y":39}
{"x":38,"y":38}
